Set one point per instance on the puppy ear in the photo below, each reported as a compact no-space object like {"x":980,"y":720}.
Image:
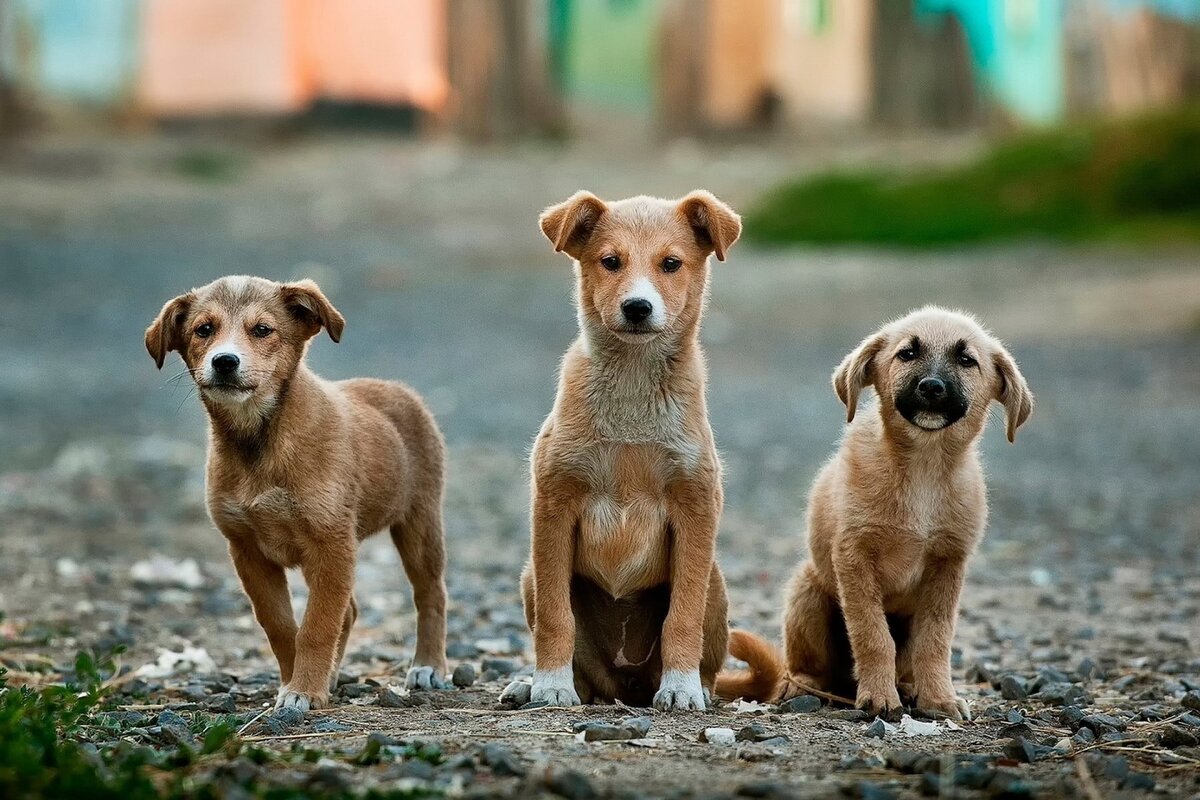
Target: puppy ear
{"x":717,"y":226}
{"x":306,"y":302}
{"x":856,"y":372}
{"x":1012,"y":392}
{"x":166,"y":332}
{"x":569,"y":224}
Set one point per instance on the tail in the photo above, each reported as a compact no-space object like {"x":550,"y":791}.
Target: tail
{"x":765,"y":680}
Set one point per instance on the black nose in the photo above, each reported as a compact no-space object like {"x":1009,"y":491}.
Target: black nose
{"x":225,"y":363}
{"x":931,"y":387}
{"x":637,"y":309}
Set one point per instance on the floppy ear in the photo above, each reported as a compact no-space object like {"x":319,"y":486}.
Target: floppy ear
{"x":306,"y":302}
{"x":569,"y":224}
{"x":855,"y":372}
{"x":1012,"y":392}
{"x":717,"y":226}
{"x":166,"y":332}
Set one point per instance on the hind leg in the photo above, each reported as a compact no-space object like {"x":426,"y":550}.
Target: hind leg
{"x":422,"y":550}
{"x":808,"y":635}
{"x":716,"y":632}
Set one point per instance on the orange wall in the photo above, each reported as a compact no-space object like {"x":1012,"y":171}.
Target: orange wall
{"x":246,"y":56}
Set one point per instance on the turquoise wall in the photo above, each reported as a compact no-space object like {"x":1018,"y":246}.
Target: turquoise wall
{"x":80,"y":50}
{"x":1017,"y":49}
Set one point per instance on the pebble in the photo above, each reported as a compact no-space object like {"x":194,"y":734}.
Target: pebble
{"x":221,"y":703}
{"x":330,"y":725}
{"x":1013,"y":687}
{"x":804,"y":704}
{"x":501,"y":760}
{"x":850,"y":715}
{"x":1191,"y":700}
{"x":1087,"y":669}
{"x":877,"y":729}
{"x":721,"y":736}
{"x":1101,"y":724}
{"x":1174,"y":736}
{"x":639,"y":726}
{"x":570,"y":784}
{"x":463,"y":676}
{"x":279,"y":720}
{"x":390,"y":698}
{"x":604,"y":732}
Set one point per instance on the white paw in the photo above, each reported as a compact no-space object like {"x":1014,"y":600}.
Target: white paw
{"x":288,"y":698}
{"x":517,"y":693}
{"x":424,"y":678}
{"x":554,"y":687}
{"x":680,"y":691}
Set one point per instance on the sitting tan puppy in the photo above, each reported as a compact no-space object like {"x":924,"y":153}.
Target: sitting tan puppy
{"x":621,"y":591}
{"x":300,"y":470}
{"x":892,"y":519}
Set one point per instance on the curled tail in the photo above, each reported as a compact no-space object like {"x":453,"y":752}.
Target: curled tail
{"x":765,"y":680}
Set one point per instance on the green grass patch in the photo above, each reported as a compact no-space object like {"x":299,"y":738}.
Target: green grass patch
{"x":1138,"y":180}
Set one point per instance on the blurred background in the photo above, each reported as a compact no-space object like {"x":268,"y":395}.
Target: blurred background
{"x":1034,"y":161}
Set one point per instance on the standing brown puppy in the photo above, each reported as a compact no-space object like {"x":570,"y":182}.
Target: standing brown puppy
{"x":892,"y":519}
{"x":300,"y":470}
{"x":621,"y":591}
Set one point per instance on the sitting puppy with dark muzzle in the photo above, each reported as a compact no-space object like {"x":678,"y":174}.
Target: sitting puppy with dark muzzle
{"x":892,"y":520}
{"x":300,"y":470}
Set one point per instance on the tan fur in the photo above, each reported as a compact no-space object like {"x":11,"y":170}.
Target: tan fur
{"x":300,"y":470}
{"x":621,"y":588}
{"x":892,"y":520}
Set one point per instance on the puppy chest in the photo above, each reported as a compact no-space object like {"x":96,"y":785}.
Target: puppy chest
{"x":272,"y":518}
{"x":622,"y":542}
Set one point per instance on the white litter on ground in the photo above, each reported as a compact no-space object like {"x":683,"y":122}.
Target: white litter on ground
{"x":158,"y":570}
{"x":190,"y":659}
{"x":750,"y":707}
{"x":912,"y":727}
{"x":723,"y":736}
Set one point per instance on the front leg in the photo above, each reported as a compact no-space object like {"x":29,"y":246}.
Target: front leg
{"x":861,"y":596}
{"x":265,"y":583}
{"x":931,"y":639}
{"x":553,"y":558}
{"x":694,"y":510}
{"x":328,"y":569}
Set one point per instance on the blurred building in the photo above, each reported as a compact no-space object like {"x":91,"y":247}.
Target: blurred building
{"x":497,"y":68}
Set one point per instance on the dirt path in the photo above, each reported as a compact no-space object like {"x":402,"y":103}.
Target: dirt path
{"x":1091,"y":558}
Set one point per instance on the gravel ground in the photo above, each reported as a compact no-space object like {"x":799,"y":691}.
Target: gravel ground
{"x":1077,"y":645}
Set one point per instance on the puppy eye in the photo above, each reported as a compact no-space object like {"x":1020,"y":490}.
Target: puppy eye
{"x":262,"y":331}
{"x":611,"y":263}
{"x":671,"y":263}
{"x":965,"y":360}
{"x":907,"y":354}
{"x":205,"y":330}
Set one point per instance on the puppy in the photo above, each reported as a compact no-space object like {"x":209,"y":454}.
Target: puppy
{"x":621,"y":591}
{"x":892,"y":519}
{"x":300,"y":470}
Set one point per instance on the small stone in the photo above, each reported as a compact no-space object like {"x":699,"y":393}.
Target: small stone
{"x":1191,"y":700}
{"x":502,"y":761}
{"x":1139,"y":781}
{"x":1021,"y":750}
{"x":1012,"y":687}
{"x":501,"y":666}
{"x":281,"y":719}
{"x":980,"y":672}
{"x":418,"y":769}
{"x":517,"y":694}
{"x":1083,"y":737}
{"x":638,"y":726}
{"x":390,"y":698}
{"x":874,"y":791}
{"x":721,"y":736}
{"x":1116,"y":768}
{"x":1102,"y":723}
{"x":775,"y":741}
{"x":804,"y":704}
{"x":1174,"y":736}
{"x":877,"y":729}
{"x":1087,"y":669}
{"x":605,"y":732}
{"x":330,"y":725}
{"x":1072,"y":716}
{"x":570,"y":784}
{"x":532,"y":705}
{"x":1191,"y":720}
{"x":974,"y":776}
{"x":353,"y":691}
{"x":752,"y":733}
{"x":221,"y":703}
{"x":463,"y":676}
{"x":1010,"y":785}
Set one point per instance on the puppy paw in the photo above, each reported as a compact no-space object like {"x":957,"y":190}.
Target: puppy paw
{"x":517,"y":693}
{"x":881,"y":702}
{"x":424,"y":678}
{"x":301,"y":700}
{"x":680,"y":691}
{"x":555,"y":687}
{"x":942,"y":707}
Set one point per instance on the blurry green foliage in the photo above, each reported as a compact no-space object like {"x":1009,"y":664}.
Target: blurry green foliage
{"x":1137,"y":179}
